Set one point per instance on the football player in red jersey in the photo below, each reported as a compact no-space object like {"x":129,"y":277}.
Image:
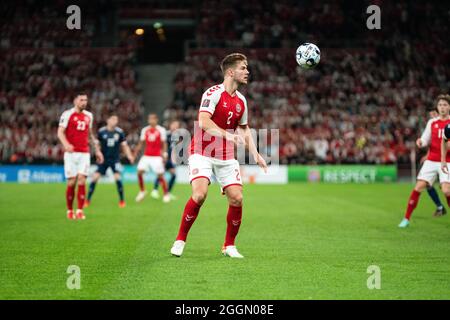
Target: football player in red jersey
{"x":431,"y":168}
{"x":223,"y":109}
{"x":74,"y":131}
{"x":431,"y":190}
{"x":154,"y":137}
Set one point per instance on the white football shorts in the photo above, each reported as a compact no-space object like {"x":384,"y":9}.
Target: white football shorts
{"x":430,"y":170}
{"x":227,"y":172}
{"x":76,"y":163}
{"x":156,"y":164}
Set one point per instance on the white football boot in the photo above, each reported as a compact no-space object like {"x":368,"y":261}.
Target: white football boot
{"x":140,"y":196}
{"x":231,"y":251}
{"x":166,"y":198}
{"x":177,"y":248}
{"x":404,"y":223}
{"x":155,"y":194}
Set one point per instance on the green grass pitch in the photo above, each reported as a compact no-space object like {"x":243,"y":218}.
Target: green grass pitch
{"x":300,"y":241}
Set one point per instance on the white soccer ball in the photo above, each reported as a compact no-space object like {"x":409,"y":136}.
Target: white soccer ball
{"x":307,"y":55}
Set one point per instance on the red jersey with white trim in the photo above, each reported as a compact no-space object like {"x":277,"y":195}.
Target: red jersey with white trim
{"x":228,"y":112}
{"x":154,"y":138}
{"x":432,"y":136}
{"x":77,"y":125}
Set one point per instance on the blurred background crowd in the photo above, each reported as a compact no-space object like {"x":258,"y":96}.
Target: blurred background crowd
{"x":366,"y":102}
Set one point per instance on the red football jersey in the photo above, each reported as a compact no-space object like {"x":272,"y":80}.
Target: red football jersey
{"x":77,"y":125}
{"x":228,"y":112}
{"x":432,"y":136}
{"x":154,"y":139}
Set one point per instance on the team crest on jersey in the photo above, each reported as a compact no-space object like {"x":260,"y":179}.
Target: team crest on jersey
{"x":238,"y":107}
{"x":116,"y":136}
{"x":205,"y":103}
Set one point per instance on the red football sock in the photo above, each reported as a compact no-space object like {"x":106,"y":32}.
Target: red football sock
{"x":412,"y":203}
{"x":81,"y":195}
{"x":70,"y":193}
{"x":448,"y":201}
{"x":234,"y":218}
{"x":163,"y":184}
{"x":141,"y":182}
{"x":189,"y":215}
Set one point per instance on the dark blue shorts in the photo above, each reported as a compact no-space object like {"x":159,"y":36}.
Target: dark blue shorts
{"x":170,"y":165}
{"x":116,"y":167}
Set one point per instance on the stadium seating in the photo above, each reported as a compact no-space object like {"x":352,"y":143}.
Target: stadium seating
{"x":38,"y":85}
{"x":359,"y":106}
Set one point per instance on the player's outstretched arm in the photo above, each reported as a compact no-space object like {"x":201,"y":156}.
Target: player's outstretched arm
{"x":211,"y":128}
{"x":425,"y":138}
{"x":247,"y":135}
{"x":128,"y":153}
{"x":62,"y":137}
{"x":164,"y":151}
{"x":137,"y":149}
{"x":444,"y":155}
{"x":98,"y":152}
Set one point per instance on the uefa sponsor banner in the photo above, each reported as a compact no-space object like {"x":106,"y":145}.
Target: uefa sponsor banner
{"x":343,"y":173}
{"x":55,"y":174}
{"x":31,"y":173}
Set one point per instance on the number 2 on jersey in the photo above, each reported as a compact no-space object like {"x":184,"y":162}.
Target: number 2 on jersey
{"x":230,"y":115}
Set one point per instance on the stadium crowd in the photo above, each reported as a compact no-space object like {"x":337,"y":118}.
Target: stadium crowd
{"x":358,"y":106}
{"x":37,"y":86}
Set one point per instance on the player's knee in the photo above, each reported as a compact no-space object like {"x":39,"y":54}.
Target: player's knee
{"x":81,"y":180}
{"x":71,"y":182}
{"x":421,"y":186}
{"x":199,"y":196}
{"x":446,"y":190}
{"x":236,"y":199}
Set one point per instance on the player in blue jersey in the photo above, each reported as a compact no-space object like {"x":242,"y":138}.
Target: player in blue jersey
{"x":111,"y":139}
{"x":170,"y":164}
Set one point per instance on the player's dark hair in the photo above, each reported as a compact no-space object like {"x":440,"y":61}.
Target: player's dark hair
{"x":80,"y":93}
{"x":152,"y":114}
{"x":445,"y":97}
{"x":230,"y":61}
{"x":112,"y":115}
